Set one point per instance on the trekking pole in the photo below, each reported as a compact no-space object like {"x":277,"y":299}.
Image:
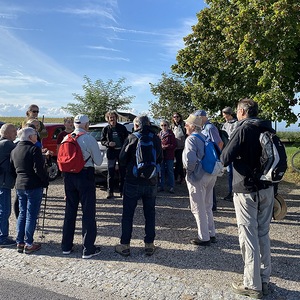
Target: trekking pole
{"x":44,"y":214}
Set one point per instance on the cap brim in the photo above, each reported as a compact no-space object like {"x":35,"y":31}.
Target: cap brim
{"x":280,"y":208}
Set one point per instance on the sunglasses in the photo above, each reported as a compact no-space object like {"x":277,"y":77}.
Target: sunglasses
{"x":35,"y":111}
{"x":162,"y":125}
{"x":175,"y":116}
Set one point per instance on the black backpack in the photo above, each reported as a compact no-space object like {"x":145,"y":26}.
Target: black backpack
{"x":146,"y":166}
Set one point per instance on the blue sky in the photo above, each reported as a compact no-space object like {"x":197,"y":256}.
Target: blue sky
{"x":48,"y":46}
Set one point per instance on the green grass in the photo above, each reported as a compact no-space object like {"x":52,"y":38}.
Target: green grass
{"x":291,"y":176}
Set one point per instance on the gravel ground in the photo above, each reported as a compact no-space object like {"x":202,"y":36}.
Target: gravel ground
{"x":177,"y":270}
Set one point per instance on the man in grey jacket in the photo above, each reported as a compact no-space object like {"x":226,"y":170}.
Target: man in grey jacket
{"x":8,"y":134}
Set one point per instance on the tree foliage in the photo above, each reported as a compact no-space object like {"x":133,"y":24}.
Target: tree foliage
{"x":173,"y":96}
{"x":245,"y":48}
{"x":100,"y":97}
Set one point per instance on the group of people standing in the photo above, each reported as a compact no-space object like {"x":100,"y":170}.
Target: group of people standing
{"x":253,"y":201}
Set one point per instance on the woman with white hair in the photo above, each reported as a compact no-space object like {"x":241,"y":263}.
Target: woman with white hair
{"x":31,"y":177}
{"x":199,"y":183}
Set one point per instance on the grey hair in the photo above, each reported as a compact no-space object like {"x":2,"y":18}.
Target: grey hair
{"x":24,"y":133}
{"x":141,"y":121}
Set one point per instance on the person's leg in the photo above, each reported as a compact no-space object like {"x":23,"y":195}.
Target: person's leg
{"x":5,"y":211}
{"x":130,"y":199}
{"x":209,"y":204}
{"x":72,"y":202}
{"x":162,"y":174}
{"x":264,"y":219}
{"x":230,"y":178}
{"x":170,"y":173}
{"x":197,"y":195}
{"x":87,"y":190}
{"x":22,"y":198}
{"x":149,"y":199}
{"x":246,"y":208}
{"x":111,"y":165}
{"x":34,"y":198}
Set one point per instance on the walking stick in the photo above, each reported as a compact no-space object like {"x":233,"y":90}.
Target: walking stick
{"x":44,"y":214}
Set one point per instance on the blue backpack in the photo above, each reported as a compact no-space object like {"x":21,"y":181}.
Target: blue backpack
{"x":146,"y":166}
{"x":211,"y":160}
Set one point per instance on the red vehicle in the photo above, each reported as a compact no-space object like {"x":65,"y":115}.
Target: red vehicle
{"x":53,"y":129}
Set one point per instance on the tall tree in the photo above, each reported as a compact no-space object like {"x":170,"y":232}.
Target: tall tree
{"x":241,"y":49}
{"x":173,"y":96}
{"x":100,"y":97}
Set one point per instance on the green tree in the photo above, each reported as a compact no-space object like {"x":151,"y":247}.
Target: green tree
{"x":100,"y":97}
{"x":241,"y":49}
{"x":173,"y":96}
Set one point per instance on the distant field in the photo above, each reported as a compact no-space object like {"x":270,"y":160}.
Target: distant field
{"x":18,"y":120}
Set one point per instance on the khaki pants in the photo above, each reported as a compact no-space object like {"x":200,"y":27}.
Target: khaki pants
{"x":201,"y":201}
{"x":253,"y":213}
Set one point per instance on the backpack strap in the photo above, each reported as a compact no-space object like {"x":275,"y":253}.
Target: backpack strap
{"x":76,"y":137}
{"x":199,"y":137}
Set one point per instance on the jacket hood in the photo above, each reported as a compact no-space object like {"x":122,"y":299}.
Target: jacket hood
{"x":264,"y":125}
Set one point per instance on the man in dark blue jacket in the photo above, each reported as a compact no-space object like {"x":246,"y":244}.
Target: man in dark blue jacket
{"x":136,"y":188}
{"x":253,"y":200}
{"x":8,"y":134}
{"x":113,"y":137}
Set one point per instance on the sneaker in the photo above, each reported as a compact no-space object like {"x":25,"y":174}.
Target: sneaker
{"x":198,"y":242}
{"x":20,"y":247}
{"x":110,"y":195}
{"x":149,"y":249}
{"x":171,"y":190}
{"x":213,"y":239}
{"x":97,"y":251}
{"x":7,"y":242}
{"x":229,"y":197}
{"x":123,"y":249}
{"x":34,"y":247}
{"x":67,"y":252}
{"x":265,"y":289}
{"x":239,"y":288}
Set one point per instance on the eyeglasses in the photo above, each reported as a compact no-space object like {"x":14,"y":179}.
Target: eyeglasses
{"x":175,"y":116}
{"x":35,"y":111}
{"x":163,"y":125}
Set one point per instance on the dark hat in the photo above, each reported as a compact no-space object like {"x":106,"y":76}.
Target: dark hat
{"x":199,"y":113}
{"x":227,"y":110}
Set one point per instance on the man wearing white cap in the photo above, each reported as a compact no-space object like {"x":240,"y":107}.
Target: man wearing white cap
{"x":80,"y":187}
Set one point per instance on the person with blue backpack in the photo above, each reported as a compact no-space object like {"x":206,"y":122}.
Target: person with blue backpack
{"x":199,"y":182}
{"x":141,"y":155}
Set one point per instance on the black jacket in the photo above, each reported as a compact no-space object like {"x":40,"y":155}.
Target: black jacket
{"x":244,"y":151}
{"x":7,"y":180}
{"x":128,"y":158}
{"x":107,"y":136}
{"x":29,"y":166}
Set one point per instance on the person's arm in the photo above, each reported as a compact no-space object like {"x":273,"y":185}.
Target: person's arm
{"x":96,"y":154}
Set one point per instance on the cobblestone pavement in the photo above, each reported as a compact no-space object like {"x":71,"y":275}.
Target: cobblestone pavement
{"x":177,"y":270}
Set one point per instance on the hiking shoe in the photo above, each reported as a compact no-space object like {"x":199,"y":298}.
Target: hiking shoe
{"x":149,"y":249}
{"x":239,"y":288}
{"x":34,"y":247}
{"x":265,"y":289}
{"x":171,"y":190}
{"x":68,"y":252}
{"x":7,"y":242}
{"x":123,"y":249}
{"x":110,"y":195}
{"x":20,"y":247}
{"x":97,"y":251}
{"x":213,"y":239}
{"x":229,"y":197}
{"x":198,"y":242}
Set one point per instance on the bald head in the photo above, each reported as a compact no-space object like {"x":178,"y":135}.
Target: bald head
{"x":8,"y":131}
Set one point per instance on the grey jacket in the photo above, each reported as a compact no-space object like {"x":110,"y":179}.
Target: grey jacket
{"x":7,"y":179}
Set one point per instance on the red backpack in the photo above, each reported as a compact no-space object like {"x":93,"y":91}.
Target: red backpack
{"x":69,"y":156}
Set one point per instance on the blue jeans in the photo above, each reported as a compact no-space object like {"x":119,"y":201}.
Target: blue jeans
{"x":132,"y":193}
{"x":5,"y":211}
{"x":167,"y":169}
{"x":80,"y":188}
{"x":29,"y":205}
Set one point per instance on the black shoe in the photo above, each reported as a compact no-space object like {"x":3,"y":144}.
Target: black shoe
{"x":213,"y":239}
{"x":87,"y":256}
{"x":198,"y":242}
{"x":229,"y":197}
{"x":7,"y":242}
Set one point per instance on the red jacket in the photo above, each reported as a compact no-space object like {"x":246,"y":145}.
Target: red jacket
{"x":168,"y":144}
